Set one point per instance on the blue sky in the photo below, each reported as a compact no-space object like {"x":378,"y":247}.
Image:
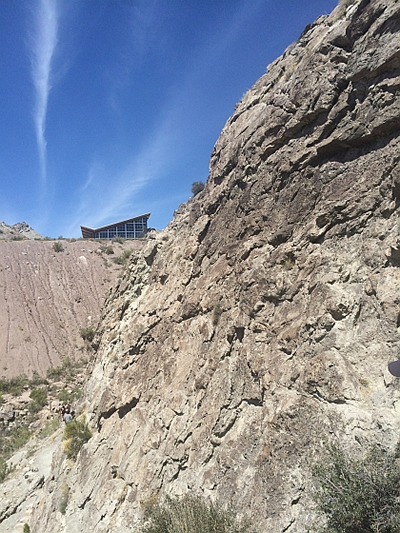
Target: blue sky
{"x":111,"y":108}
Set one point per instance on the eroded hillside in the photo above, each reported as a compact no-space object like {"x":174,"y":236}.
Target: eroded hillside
{"x":47,"y":296}
{"x":258,"y":326}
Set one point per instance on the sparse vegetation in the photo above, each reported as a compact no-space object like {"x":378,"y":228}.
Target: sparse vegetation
{"x":197,"y":186}
{"x":191,"y":514}
{"x":216,"y":314}
{"x":67,"y":370}
{"x":11,"y":442}
{"x":17,"y":238}
{"x":58,"y":246}
{"x":50,"y":427}
{"x":87,"y":334}
{"x":64,"y":499}
{"x":39,"y":399}
{"x":359,"y":495}
{"x":15,"y":432}
{"x":70,"y":395}
{"x":26,"y":529}
{"x":76,"y":434}
{"x":289,"y":261}
{"x":4,"y":469}
{"x":123,"y":258}
{"x":37,"y":380}
{"x":108,"y":250}
{"x":14,"y":386}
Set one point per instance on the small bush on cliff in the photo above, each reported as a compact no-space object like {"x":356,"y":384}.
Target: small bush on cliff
{"x":191,"y":514}
{"x":4,"y":469}
{"x":87,"y":334}
{"x":123,"y":258}
{"x":58,"y":247}
{"x":197,"y":186}
{"x":76,"y":434}
{"x":359,"y":495}
{"x":38,"y":398}
{"x":108,"y":250}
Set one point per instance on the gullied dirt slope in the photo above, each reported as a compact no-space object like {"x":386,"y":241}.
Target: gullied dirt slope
{"x":259,"y":324}
{"x":46,"y":297}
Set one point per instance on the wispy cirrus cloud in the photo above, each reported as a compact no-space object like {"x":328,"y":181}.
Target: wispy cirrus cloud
{"x":110,"y":194}
{"x":43,"y":43}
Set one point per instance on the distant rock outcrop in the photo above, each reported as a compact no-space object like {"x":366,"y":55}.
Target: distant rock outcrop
{"x":21,"y":230}
{"x":259,"y":324}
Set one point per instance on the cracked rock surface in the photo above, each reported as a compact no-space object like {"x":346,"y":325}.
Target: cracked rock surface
{"x":259,"y":324}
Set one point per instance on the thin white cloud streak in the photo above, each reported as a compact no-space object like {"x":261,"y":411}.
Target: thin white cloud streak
{"x":43,"y":44}
{"x":108,"y":196}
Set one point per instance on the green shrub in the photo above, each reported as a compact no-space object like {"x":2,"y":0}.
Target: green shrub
{"x":76,"y":434}
{"x":70,"y":395}
{"x":108,"y":250}
{"x":16,"y":439}
{"x":359,"y":495}
{"x":4,"y":469}
{"x":39,"y":399}
{"x":87,"y":334}
{"x":197,"y":186}
{"x":55,"y":373}
{"x":191,"y":514}
{"x":68,"y":369}
{"x":14,"y":386}
{"x":58,"y":247}
{"x":26,"y":529}
{"x":123,"y":258}
{"x":37,"y":380}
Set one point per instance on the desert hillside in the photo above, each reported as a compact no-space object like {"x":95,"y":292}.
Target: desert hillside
{"x":50,"y":290}
{"x":257,"y":327}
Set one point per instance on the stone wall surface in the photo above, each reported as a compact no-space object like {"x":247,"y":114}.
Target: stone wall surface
{"x":258,"y":325}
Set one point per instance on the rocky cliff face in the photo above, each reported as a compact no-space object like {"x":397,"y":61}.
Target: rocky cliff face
{"x":21,"y":230}
{"x":47,"y":296}
{"x":259,"y":324}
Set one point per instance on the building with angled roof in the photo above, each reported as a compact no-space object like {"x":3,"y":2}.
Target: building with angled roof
{"x":132,"y":228}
